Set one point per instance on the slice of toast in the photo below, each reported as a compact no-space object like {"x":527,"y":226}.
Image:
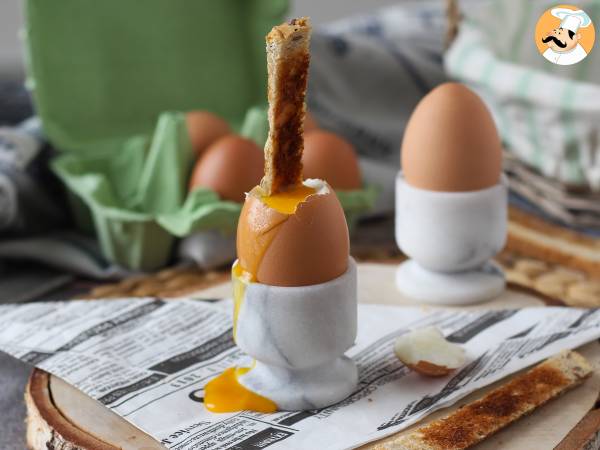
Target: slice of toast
{"x":531,"y":236}
{"x":514,"y":399}
{"x":287,"y":61}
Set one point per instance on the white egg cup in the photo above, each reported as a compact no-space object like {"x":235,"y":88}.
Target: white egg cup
{"x":208,"y":248}
{"x":450,"y":238}
{"x":298,"y":336}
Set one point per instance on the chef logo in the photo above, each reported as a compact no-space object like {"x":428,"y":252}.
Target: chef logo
{"x":564,"y":35}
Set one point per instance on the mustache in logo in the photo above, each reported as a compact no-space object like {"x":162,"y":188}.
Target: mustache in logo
{"x":555,"y":40}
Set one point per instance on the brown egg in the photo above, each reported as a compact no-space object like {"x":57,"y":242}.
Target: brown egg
{"x":231,"y":167}
{"x":306,"y":247}
{"x":330,"y":157}
{"x":451,"y":143}
{"x":204,"y":128}
{"x":310,"y":123}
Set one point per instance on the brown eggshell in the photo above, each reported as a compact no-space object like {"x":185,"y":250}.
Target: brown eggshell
{"x":308,"y":247}
{"x":310,"y":123}
{"x":330,"y":157}
{"x":430,"y":369}
{"x":451,"y":143}
{"x":204,"y":128}
{"x":257,"y":226}
{"x":231,"y":166}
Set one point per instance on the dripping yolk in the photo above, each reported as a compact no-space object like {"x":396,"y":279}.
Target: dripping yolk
{"x":240,"y":279}
{"x":286,"y":202}
{"x":226,"y":394}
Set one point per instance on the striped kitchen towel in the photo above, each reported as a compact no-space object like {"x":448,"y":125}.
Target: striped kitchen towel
{"x":548,"y":115}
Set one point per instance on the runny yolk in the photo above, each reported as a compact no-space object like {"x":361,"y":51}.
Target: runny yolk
{"x":240,"y":279}
{"x":226,"y":394}
{"x":286,"y":202}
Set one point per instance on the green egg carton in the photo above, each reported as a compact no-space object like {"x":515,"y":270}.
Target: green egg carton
{"x":137,"y":193}
{"x":102,"y":75}
{"x":356,"y":203}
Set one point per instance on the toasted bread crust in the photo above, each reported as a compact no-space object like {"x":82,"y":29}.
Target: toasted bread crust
{"x":514,"y":399}
{"x":531,"y":236}
{"x":287,"y":61}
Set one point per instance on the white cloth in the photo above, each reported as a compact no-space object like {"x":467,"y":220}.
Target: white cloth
{"x":566,"y":58}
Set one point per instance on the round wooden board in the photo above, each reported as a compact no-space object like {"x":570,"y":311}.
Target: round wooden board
{"x":61,"y":417}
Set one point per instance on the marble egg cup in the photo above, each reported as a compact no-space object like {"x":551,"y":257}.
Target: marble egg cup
{"x":298,"y":336}
{"x":450,"y":238}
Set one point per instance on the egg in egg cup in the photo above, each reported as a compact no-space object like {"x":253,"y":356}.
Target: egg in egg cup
{"x":295,"y":302}
{"x":298,"y":321}
{"x":451,"y":201}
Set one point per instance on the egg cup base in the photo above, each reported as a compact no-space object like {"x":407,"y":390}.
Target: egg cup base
{"x":312,"y":388}
{"x":297,"y":337}
{"x":457,"y":288}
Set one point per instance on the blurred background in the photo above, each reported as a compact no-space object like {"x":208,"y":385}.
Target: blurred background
{"x":105,"y":94}
{"x":11,"y":19}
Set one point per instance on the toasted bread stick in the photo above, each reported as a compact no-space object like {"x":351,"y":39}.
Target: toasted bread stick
{"x":514,"y":399}
{"x":287,"y":61}
{"x":531,"y":236}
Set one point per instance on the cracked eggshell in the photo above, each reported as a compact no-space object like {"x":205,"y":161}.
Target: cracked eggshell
{"x":430,"y":369}
{"x":310,"y":246}
{"x":427,"y":351}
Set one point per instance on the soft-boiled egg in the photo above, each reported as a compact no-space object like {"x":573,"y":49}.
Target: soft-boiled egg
{"x":296,"y":237}
{"x":451,"y":143}
{"x":231,"y":166}
{"x":204,"y":128}
{"x":330,"y":157}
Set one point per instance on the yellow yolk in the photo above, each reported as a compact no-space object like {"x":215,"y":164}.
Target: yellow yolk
{"x":240,"y":279}
{"x":226,"y":394}
{"x":286,"y":202}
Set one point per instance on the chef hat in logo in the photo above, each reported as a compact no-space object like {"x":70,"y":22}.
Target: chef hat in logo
{"x":572,"y":20}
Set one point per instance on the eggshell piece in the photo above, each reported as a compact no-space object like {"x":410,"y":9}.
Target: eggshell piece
{"x":451,"y":143}
{"x":429,"y":369}
{"x":427,"y":352}
{"x":332,"y":158}
{"x":308,"y":247}
{"x":231,"y":166}
{"x":204,"y":128}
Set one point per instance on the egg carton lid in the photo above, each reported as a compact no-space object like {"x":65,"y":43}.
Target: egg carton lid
{"x":101,"y":72}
